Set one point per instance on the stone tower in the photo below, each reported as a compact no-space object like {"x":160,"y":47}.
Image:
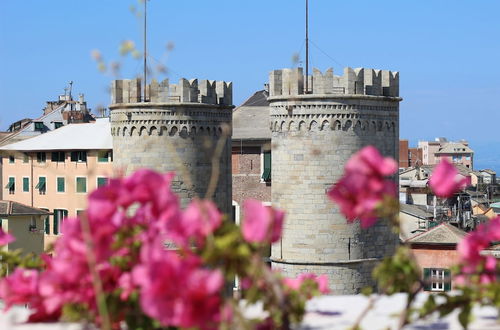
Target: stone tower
{"x":314,"y":133}
{"x":176,"y":130}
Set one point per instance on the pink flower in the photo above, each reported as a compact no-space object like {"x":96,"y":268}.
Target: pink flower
{"x":199,"y":220}
{"x":262,"y":224}
{"x":19,"y":287}
{"x":177,"y":291}
{"x":5,"y":238}
{"x":445,"y":180}
{"x":363,"y":187}
{"x":469,"y":250}
{"x":296,"y":283}
{"x":370,"y":162}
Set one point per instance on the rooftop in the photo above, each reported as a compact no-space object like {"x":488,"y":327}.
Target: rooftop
{"x":441,"y":234}
{"x":454,"y":148}
{"x":9,"y":208}
{"x":251,"y":119}
{"x":91,"y":136}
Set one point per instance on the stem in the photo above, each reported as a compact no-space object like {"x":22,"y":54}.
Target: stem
{"x":371,"y":304}
{"x":96,"y":280}
{"x":214,"y":177}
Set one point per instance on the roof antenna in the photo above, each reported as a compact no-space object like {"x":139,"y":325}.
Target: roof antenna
{"x":307,"y":46}
{"x":145,"y":50}
{"x":70,"y":89}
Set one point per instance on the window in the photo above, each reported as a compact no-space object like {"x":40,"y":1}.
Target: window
{"x":41,"y":157}
{"x":60,"y":185}
{"x":59,"y":216}
{"x":46,"y":222}
{"x":58,"y":124}
{"x":26,"y":158}
{"x":266,"y":173}
{"x":11,"y":185}
{"x":103,"y":156}
{"x":26,"y":184}
{"x":467,"y":157}
{"x":41,"y":185}
{"x":12,"y":159}
{"x":79,"y":156}
{"x":437,"y":279}
{"x":39,"y":126}
{"x":58,"y":156}
{"x":456,"y":158}
{"x":101,"y":182}
{"x":81,"y":184}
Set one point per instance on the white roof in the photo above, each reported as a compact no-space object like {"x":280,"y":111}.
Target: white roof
{"x":91,"y":136}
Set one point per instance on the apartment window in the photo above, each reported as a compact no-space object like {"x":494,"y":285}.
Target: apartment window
{"x":11,"y":185}
{"x":59,"y":216}
{"x":58,"y":124}
{"x":456,"y":158}
{"x":26,"y":184}
{"x":266,"y":172}
{"x":58,"y":156}
{"x":46,"y":222}
{"x":41,"y":185}
{"x":79,"y":156}
{"x":81,"y":184}
{"x":60,"y":185}
{"x":26,"y":158}
{"x":39,"y":126}
{"x":437,"y":279}
{"x":12,"y":159}
{"x":467,"y":157}
{"x":101,"y":182}
{"x":41,"y":157}
{"x":103,"y":156}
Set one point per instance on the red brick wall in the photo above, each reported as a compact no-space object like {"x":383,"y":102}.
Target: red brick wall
{"x":403,"y":153}
{"x":415,"y":155}
{"x":247,"y":175}
{"x":435,"y":256}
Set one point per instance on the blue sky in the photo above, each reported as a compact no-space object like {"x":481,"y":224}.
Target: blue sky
{"x":447,"y":53}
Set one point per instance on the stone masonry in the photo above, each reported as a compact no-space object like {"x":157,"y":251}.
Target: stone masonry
{"x":177,"y":129}
{"x":314,"y":133}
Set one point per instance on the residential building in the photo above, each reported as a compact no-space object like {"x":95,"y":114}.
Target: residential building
{"x":26,"y":224}
{"x":251,"y":152}
{"x":435,"y":253}
{"x":409,"y":157}
{"x":455,"y":152}
{"x":57,"y":170}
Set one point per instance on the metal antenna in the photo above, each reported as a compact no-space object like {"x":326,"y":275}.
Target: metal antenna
{"x":145,"y":50}
{"x":307,"y":46}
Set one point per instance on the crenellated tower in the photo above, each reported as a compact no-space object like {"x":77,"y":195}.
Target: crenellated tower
{"x":177,"y":129}
{"x":314,"y":133}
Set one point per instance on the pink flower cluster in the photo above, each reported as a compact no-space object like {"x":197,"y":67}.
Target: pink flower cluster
{"x":363,"y":187}
{"x":5,"y":238}
{"x":121,"y":240}
{"x":445,"y":180}
{"x":176,"y":290}
{"x":470,"y":249}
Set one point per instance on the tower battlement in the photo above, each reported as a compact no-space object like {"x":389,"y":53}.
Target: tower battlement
{"x":360,"y":81}
{"x":186,"y":91}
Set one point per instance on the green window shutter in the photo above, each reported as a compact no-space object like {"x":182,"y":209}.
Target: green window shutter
{"x":65,"y":213}
{"x":74,"y":156}
{"x":266,"y":175}
{"x":11,"y":183}
{"x":54,"y":157}
{"x":84,"y":156}
{"x":101,"y":182}
{"x":56,"y":221}
{"x":447,"y":280}
{"x":47,"y":225}
{"x":60,"y":184}
{"x":81,"y":185}
{"x":26,"y":184}
{"x":42,"y":185}
{"x":427,"y":279}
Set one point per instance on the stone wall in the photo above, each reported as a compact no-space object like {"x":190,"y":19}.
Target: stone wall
{"x":313,"y":135}
{"x":174,"y":136}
